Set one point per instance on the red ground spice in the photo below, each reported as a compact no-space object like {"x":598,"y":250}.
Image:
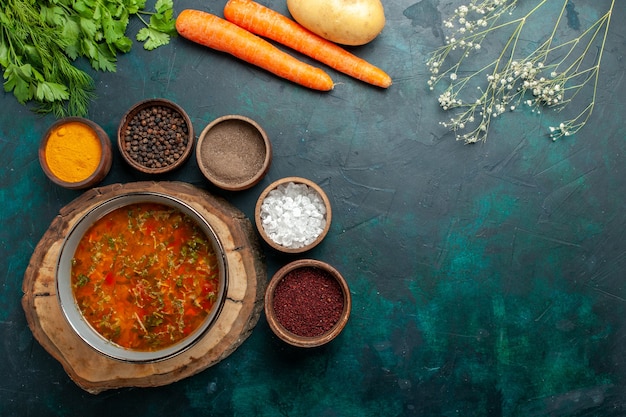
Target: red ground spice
{"x":308,"y":301}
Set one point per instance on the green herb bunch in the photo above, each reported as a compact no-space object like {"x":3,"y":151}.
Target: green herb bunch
{"x":41,"y":40}
{"x":551,"y":75}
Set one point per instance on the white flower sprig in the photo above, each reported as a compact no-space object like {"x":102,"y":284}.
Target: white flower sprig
{"x":550,"y":76}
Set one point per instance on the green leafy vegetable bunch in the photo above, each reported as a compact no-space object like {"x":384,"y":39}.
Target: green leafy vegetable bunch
{"x":41,"y":40}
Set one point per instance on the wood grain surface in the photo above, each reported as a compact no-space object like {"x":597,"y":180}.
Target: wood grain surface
{"x":95,"y":372}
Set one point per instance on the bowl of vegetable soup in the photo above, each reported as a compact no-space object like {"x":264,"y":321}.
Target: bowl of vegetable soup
{"x":141,"y":277}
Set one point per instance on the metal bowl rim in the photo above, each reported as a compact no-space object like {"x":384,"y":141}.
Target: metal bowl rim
{"x":65,"y":296}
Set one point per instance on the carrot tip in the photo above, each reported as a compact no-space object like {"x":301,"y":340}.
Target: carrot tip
{"x":265,"y":22}
{"x":225,"y":36}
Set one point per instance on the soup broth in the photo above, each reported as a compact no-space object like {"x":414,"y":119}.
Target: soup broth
{"x":145,"y":276}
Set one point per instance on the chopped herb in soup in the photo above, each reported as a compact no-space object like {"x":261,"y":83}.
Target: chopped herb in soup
{"x":145,"y":276}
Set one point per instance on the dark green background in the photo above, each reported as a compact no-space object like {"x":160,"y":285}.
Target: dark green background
{"x":487,"y":280}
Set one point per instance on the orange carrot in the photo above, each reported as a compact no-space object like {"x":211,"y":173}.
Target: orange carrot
{"x":222,"y":35}
{"x":268,"y":23}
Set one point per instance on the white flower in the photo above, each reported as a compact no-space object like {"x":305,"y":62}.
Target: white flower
{"x":527,"y":76}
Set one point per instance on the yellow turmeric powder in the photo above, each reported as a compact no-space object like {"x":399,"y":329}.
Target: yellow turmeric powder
{"x":73,"y":151}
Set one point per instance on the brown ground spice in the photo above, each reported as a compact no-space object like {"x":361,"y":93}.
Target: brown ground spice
{"x":308,"y":302}
{"x":233,"y":151}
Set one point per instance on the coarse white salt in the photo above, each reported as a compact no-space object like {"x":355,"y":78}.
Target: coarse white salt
{"x":293,"y":215}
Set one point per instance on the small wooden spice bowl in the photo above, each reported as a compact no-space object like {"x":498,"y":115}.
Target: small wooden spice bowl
{"x":234,"y":152}
{"x":75,"y":153}
{"x":298,"y":227}
{"x":307,"y":303}
{"x":155,"y":136}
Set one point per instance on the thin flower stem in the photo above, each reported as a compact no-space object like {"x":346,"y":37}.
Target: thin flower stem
{"x":601,"y":53}
{"x":556,"y":26}
{"x":537,"y":80}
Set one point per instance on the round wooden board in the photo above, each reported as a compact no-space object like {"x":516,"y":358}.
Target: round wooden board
{"x":96,"y":373}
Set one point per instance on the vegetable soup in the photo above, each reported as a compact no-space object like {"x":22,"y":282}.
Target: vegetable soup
{"x":145,"y":276}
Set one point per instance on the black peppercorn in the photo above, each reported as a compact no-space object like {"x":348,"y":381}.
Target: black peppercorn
{"x":156,"y":137}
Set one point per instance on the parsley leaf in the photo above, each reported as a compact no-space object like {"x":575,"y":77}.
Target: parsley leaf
{"x":163,"y":6}
{"x":161,"y":26}
{"x":39,"y":41}
{"x":48,"y":91}
{"x":152,"y":38}
{"x":18,"y":80}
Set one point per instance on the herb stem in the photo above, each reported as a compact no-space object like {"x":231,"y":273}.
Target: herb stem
{"x":39,"y":42}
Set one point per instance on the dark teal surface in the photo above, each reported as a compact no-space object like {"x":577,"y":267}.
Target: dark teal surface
{"x":487,"y":280}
